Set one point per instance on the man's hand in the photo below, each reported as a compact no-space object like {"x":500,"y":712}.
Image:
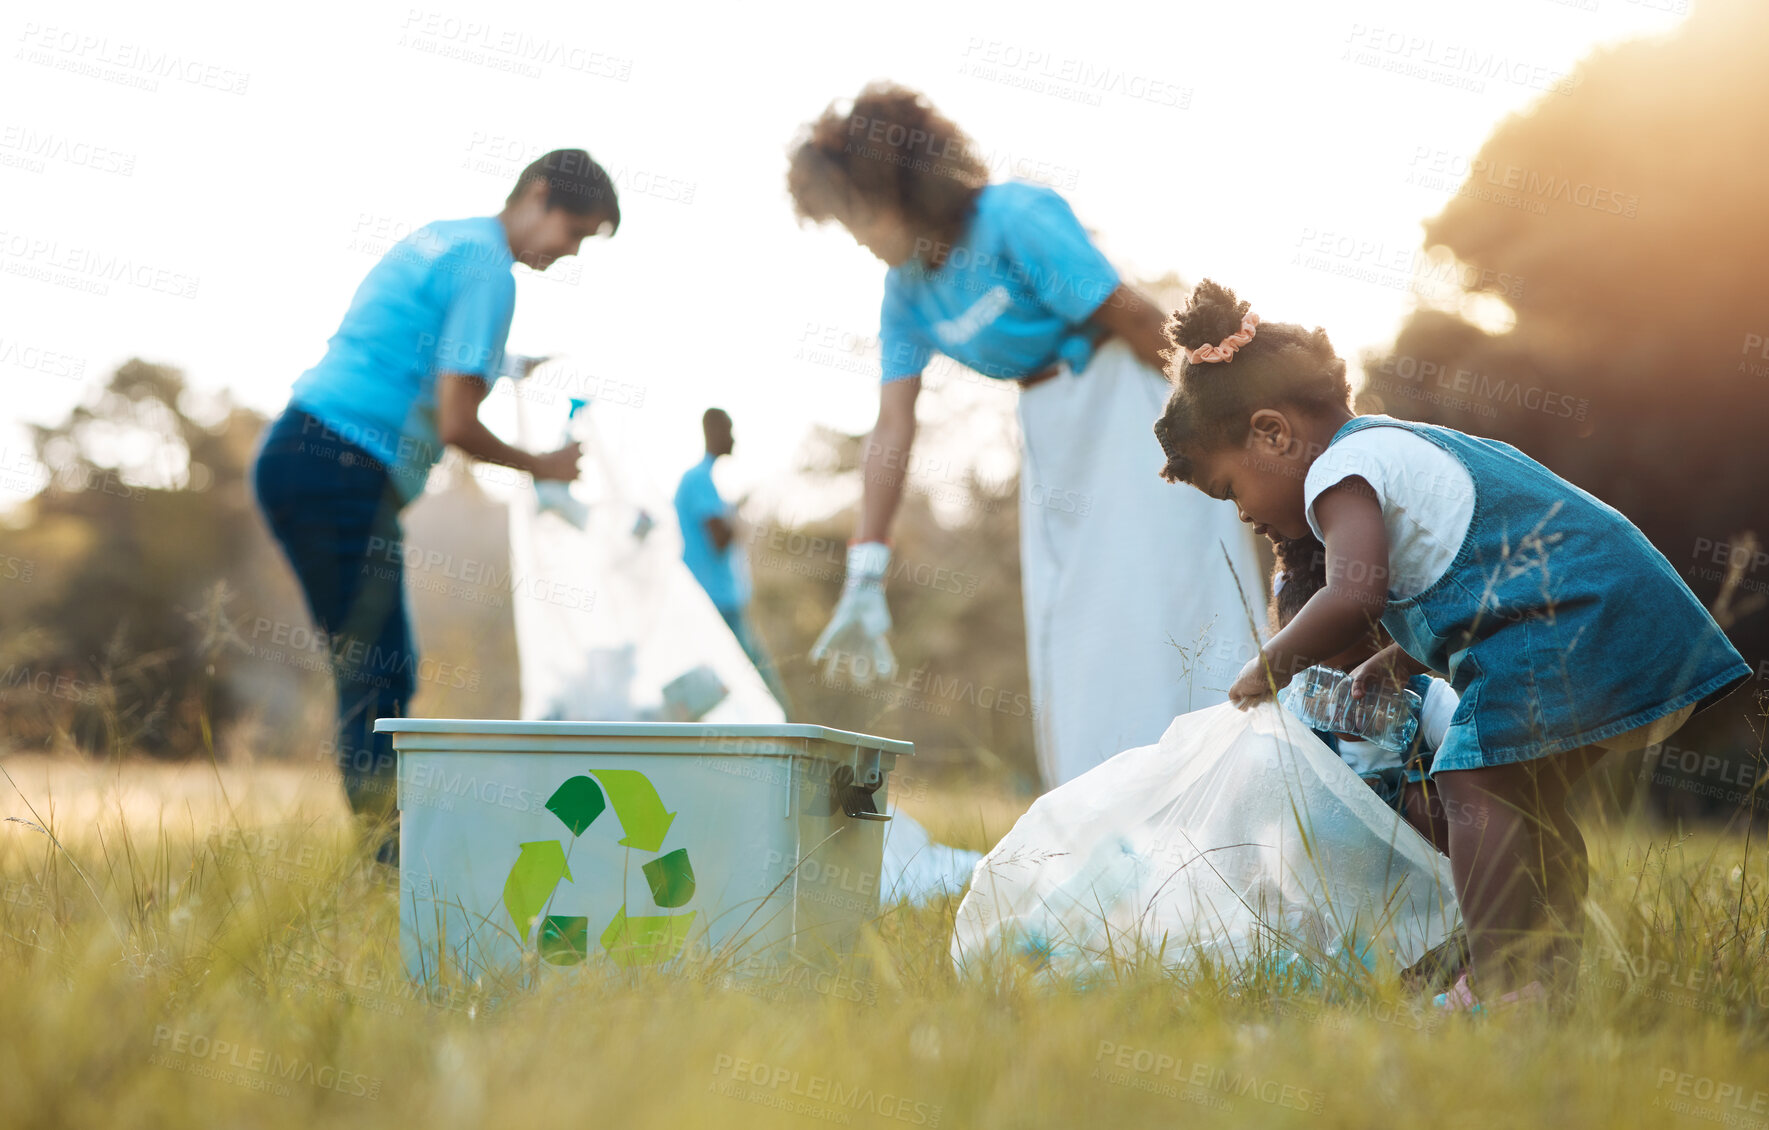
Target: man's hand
{"x":721,"y":531}
{"x":458,"y":396}
{"x":558,"y":465}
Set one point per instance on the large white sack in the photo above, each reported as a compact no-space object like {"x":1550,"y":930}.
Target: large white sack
{"x":1238,"y":838}
{"x":606,"y":618}
{"x":1133,"y":609}
{"x":609,"y":619}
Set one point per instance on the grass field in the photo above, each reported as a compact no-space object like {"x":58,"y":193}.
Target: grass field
{"x":191,"y":947}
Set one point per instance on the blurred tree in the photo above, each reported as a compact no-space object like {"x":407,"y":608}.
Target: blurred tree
{"x":1622,"y":232}
{"x":142,"y":551}
{"x":145,"y":608}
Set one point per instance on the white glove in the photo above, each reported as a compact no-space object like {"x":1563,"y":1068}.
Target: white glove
{"x":861,"y":619}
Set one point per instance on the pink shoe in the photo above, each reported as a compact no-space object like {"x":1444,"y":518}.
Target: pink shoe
{"x":1460,"y":998}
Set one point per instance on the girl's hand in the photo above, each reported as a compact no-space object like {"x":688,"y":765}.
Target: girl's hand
{"x":1253,"y":683}
{"x":1389,"y":667}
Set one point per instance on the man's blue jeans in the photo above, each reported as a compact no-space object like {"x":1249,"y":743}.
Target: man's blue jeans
{"x":335,"y":512}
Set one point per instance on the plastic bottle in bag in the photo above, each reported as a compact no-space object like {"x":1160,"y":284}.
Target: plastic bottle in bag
{"x":1321,"y":697}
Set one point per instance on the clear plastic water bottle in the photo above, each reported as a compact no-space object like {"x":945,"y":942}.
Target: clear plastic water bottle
{"x":1321,"y":697}
{"x":554,"y":494}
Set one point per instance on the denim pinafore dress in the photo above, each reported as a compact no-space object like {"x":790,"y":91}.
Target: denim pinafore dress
{"x":1558,"y":623}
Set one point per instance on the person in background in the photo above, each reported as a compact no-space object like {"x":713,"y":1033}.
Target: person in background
{"x":404,"y":376}
{"x":709,"y":527}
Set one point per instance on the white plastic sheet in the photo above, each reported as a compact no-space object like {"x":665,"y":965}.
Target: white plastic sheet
{"x":1238,"y":839}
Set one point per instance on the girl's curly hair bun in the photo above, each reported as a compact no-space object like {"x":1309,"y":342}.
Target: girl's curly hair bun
{"x":1212,"y":315}
{"x":1211,"y":405}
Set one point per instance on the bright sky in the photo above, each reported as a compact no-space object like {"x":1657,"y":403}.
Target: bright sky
{"x":226,"y":174}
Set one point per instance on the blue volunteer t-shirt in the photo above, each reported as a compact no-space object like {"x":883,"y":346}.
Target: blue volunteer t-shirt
{"x":439,"y":301}
{"x":1013,"y":297}
{"x":697,"y":499}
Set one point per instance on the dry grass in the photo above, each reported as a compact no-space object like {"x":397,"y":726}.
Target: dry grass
{"x":176,"y":957}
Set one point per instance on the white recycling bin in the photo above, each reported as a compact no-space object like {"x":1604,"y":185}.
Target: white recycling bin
{"x":634,"y":843}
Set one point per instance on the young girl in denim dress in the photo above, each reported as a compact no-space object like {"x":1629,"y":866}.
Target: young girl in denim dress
{"x":1566,"y":634}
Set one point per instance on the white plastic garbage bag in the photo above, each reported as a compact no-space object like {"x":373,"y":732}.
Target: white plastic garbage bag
{"x":613,"y":627}
{"x":610,"y":624}
{"x":916,"y":868}
{"x":1237,"y":839}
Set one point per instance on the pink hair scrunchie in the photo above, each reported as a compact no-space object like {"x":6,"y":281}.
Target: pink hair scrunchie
{"x":1225,"y":351}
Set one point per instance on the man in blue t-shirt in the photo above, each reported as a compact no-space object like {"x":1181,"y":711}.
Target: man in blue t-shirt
{"x":709,"y":527}
{"x":413,"y":358}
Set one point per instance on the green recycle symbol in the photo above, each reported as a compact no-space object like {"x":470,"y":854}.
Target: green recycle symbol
{"x":564,"y":939}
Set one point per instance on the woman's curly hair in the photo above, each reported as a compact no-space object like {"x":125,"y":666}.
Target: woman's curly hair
{"x":1300,"y":572}
{"x":889,"y":148}
{"x":1213,"y":401}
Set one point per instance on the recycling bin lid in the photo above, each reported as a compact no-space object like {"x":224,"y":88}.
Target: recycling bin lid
{"x":514,"y":727}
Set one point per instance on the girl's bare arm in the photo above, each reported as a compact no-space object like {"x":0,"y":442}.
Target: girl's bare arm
{"x":1357,"y":582}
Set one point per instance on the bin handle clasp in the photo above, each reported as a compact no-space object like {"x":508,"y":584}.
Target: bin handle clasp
{"x":852,"y":786}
